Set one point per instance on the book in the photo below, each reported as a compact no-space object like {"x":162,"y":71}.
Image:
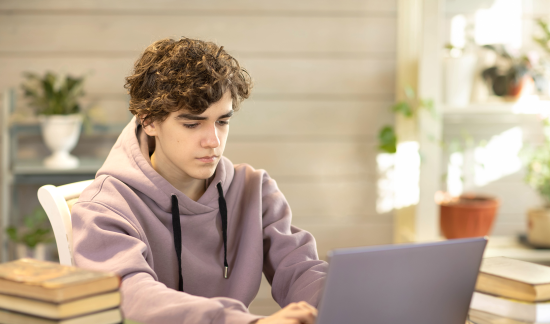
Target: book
{"x":479,"y":317}
{"x":52,"y":282}
{"x":60,"y":311}
{"x":110,"y":316}
{"x":512,"y":308}
{"x":514,"y":279}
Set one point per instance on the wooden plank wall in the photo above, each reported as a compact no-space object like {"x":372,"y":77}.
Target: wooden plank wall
{"x":324,"y":79}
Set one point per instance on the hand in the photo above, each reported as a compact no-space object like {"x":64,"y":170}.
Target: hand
{"x":295,"y":313}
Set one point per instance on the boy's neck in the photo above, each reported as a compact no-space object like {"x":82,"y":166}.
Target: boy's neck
{"x":191,"y":187}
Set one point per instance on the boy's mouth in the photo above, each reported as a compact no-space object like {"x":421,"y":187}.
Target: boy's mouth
{"x":208,"y":159}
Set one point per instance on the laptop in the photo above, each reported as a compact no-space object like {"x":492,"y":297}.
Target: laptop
{"x":429,"y":283}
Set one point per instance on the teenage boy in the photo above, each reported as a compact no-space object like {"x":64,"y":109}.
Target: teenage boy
{"x":189,"y":232}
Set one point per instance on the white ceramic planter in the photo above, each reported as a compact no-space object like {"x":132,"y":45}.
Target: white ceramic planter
{"x":459,"y":80}
{"x":38,"y":253}
{"x":60,"y":133}
{"x":538,"y":227}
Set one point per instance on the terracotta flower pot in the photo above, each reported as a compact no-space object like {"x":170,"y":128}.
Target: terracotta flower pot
{"x":467,"y":216}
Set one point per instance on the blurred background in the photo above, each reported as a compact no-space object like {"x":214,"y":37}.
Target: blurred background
{"x":361,"y":109}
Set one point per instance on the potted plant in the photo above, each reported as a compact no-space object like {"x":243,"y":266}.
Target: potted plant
{"x":538,"y":177}
{"x":468,"y":215}
{"x":55,"y":100}
{"x":512,"y":76}
{"x":31,"y":239}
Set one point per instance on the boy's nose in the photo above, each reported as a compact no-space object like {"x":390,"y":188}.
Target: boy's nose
{"x":211,"y":138}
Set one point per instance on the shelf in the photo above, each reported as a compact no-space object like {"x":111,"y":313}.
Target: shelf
{"x":86,"y":166}
{"x":96,"y":129}
{"x":33,"y":172}
{"x":497,"y":111}
{"x":527,"y":105}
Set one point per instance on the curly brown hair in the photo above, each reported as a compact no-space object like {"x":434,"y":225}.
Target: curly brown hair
{"x":187,"y":74}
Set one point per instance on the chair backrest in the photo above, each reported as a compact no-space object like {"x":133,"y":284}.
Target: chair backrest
{"x":58,"y":202}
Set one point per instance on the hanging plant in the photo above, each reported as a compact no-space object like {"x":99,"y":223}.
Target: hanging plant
{"x":408,"y":108}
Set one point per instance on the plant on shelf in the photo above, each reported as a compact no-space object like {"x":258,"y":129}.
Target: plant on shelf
{"x":538,"y":167}
{"x":538,"y":177}
{"x":387,"y":138}
{"x":512,"y":75}
{"x":33,"y":236}
{"x":544,"y":39}
{"x":53,"y":94}
{"x":55,"y":99}
{"x":464,"y":216}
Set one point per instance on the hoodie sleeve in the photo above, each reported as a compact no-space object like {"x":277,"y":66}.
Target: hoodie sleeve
{"x":106,"y":241}
{"x":291,"y":263}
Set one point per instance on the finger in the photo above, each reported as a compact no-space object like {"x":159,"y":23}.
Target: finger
{"x":304,"y":315}
{"x":288,"y":321}
{"x":308,"y":306}
{"x":299,"y":305}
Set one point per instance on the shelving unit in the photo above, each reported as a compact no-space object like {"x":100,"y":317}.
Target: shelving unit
{"x":493,"y":138}
{"x":16,"y":172}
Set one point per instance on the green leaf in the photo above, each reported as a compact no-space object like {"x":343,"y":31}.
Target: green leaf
{"x":409,"y":92}
{"x":428,"y":104}
{"x":538,"y":169}
{"x":36,"y":229}
{"x":403,"y":108}
{"x":12,"y":233}
{"x":53,"y":94}
{"x":387,"y":140}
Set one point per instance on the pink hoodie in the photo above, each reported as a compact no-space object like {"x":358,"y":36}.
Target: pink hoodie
{"x":123,"y":223}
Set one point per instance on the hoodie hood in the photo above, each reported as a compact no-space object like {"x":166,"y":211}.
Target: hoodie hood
{"x":129,"y":162}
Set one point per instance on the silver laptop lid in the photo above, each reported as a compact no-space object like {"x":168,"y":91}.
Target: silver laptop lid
{"x":429,"y":283}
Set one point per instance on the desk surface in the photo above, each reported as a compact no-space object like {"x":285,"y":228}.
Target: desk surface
{"x":509,"y":246}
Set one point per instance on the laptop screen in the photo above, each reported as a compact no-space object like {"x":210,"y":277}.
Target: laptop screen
{"x":430,"y":283}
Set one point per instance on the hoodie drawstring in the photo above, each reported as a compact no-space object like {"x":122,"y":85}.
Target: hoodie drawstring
{"x":177,"y":232}
{"x":177,"y":235}
{"x":223,"y":211}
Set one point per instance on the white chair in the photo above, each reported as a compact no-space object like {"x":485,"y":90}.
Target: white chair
{"x":58,"y":202}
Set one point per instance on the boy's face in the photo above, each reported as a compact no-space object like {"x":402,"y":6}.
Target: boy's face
{"x":190,"y":146}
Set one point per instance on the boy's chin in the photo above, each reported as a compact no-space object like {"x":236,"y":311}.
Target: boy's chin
{"x":204,"y":173}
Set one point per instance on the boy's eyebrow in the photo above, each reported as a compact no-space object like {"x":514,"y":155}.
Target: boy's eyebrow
{"x":190,"y":116}
{"x":229,"y":114}
{"x":195,"y":117}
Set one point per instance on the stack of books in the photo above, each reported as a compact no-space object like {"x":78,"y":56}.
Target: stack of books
{"x":39,"y":292}
{"x":510,"y":291}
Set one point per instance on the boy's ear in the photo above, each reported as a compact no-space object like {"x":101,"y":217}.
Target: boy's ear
{"x":149,"y":128}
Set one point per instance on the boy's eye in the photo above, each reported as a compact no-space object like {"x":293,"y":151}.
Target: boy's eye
{"x":223,"y":122}
{"x":190,"y":125}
